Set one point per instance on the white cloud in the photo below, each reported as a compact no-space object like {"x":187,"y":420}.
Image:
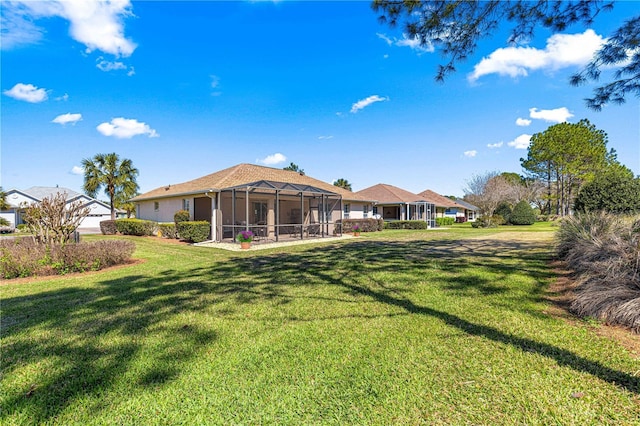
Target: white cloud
{"x":495,"y":145}
{"x":67,"y":118}
{"x":106,"y":66}
{"x":77,"y":170}
{"x":521,"y":142}
{"x":96,"y":24}
{"x":363,"y":103}
{"x":562,"y":50}
{"x":64,"y":97}
{"x":27,"y":92}
{"x":325,"y":137}
{"x":215,"y":84}
{"x":558,"y":115}
{"x":522,"y":122}
{"x":405,"y":41}
{"x":126,"y":128}
{"x":273,"y":159}
{"x":471,"y":153}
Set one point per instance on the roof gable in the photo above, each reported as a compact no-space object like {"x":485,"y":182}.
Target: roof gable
{"x":439,"y":200}
{"x":389,"y":194}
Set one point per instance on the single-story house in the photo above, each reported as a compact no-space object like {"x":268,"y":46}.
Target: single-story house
{"x":393,"y":203}
{"x":19,"y":199}
{"x":272,"y":203}
{"x":471,"y":212}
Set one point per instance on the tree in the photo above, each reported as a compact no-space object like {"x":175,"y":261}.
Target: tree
{"x":614,"y":191}
{"x":565,"y":156}
{"x":294,"y":168}
{"x":486,"y":191}
{"x":456,"y":27}
{"x":522,"y":214}
{"x":343,"y":183}
{"x":118,"y":178}
{"x":53,"y":220}
{"x":4,"y":204}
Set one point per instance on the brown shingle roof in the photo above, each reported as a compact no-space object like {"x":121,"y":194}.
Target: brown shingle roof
{"x":388,"y":194}
{"x":243,"y":174}
{"x":439,"y":200}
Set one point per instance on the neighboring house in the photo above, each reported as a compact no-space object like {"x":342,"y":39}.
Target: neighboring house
{"x":19,"y":199}
{"x":273,"y":203}
{"x":471,"y":212}
{"x":445,"y":207}
{"x":393,"y":203}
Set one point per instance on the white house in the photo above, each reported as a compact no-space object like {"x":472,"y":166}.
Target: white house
{"x":19,"y":199}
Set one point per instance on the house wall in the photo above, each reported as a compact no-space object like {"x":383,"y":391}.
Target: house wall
{"x":357,"y":210}
{"x":167,"y":208}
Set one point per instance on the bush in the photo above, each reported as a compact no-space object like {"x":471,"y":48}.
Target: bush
{"x":445,"y":221}
{"x":613,"y":191}
{"x":137,"y":227}
{"x":504,"y":210}
{"x":22,"y":227}
{"x":603,"y":249}
{"x":181,"y":216}
{"x":108,"y":227}
{"x":168,"y":230}
{"x":406,"y":224}
{"x":23,"y":257}
{"x":365,"y":225}
{"x":461,"y":219}
{"x":522,"y":214}
{"x":195,"y":232}
{"x":488,"y":222}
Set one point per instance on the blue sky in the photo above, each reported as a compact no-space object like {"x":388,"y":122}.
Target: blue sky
{"x":184,"y":89}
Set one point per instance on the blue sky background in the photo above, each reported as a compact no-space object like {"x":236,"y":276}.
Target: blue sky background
{"x":184,"y":89}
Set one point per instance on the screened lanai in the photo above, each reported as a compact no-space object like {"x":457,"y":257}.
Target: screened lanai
{"x":276,"y":211}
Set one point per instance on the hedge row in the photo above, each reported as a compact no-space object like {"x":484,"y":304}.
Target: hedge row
{"x":406,"y":224}
{"x":168,"y":230}
{"x":445,"y":221}
{"x":137,"y":227}
{"x":23,"y":257}
{"x":364,"y":225}
{"x":195,"y":232}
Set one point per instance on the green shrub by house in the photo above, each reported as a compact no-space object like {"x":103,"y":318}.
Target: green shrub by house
{"x":168,"y":230}
{"x":137,"y":227}
{"x":406,"y":224}
{"x":445,"y":221}
{"x":488,"y":221}
{"x":522,"y":214}
{"x":181,"y":216}
{"x":504,"y":210}
{"x":108,"y":227}
{"x":195,"y":232}
{"x":365,"y":225}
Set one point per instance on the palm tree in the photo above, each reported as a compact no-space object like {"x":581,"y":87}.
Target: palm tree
{"x":4,"y":205}
{"x":294,"y":168}
{"x":343,"y":183}
{"x":117,"y":177}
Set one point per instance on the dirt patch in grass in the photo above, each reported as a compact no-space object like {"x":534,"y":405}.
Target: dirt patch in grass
{"x":27,"y":280}
{"x":561,"y":293}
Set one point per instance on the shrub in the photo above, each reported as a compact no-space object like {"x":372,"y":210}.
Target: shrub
{"x":168,"y":230}
{"x":181,"y":216}
{"x":53,"y":220}
{"x":445,"y":221}
{"x":522,"y":214}
{"x":108,"y":227}
{"x":488,"y":222}
{"x":604,"y":251}
{"x":406,"y":224}
{"x":137,"y":227}
{"x":461,"y":219}
{"x":22,"y":227}
{"x":364,"y":225}
{"x":195,"y":232}
{"x":504,"y":210}
{"x":613,"y":191}
{"x":23,"y":257}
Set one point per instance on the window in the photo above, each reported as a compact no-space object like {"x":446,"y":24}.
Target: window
{"x":260,"y":213}
{"x":365,"y":211}
{"x":156,"y":206}
{"x":347,"y":209}
{"x":185,"y":204}
{"x":375,"y":211}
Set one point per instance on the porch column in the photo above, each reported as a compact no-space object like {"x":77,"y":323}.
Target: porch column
{"x":246,"y":210}
{"x":214,"y":217}
{"x":277,"y":214}
{"x":270,"y":216}
{"x":233,"y":214}
{"x":301,"y":215}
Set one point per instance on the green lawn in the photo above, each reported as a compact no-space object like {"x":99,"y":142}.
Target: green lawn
{"x":397,"y":327}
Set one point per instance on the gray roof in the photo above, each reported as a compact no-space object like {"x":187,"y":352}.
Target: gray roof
{"x":466,"y":205}
{"x":41,"y":192}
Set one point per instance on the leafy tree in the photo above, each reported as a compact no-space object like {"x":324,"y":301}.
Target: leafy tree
{"x":486,"y":191}
{"x":522,"y":214}
{"x":343,"y":183}
{"x":4,"y":204}
{"x":294,"y":168}
{"x":565,"y":156}
{"x":615,"y":191}
{"x":504,"y":210}
{"x":53,"y":220}
{"x":456,"y":27}
{"x":118,"y":178}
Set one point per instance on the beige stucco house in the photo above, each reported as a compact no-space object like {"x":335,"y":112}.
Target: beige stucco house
{"x":272,"y":203}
